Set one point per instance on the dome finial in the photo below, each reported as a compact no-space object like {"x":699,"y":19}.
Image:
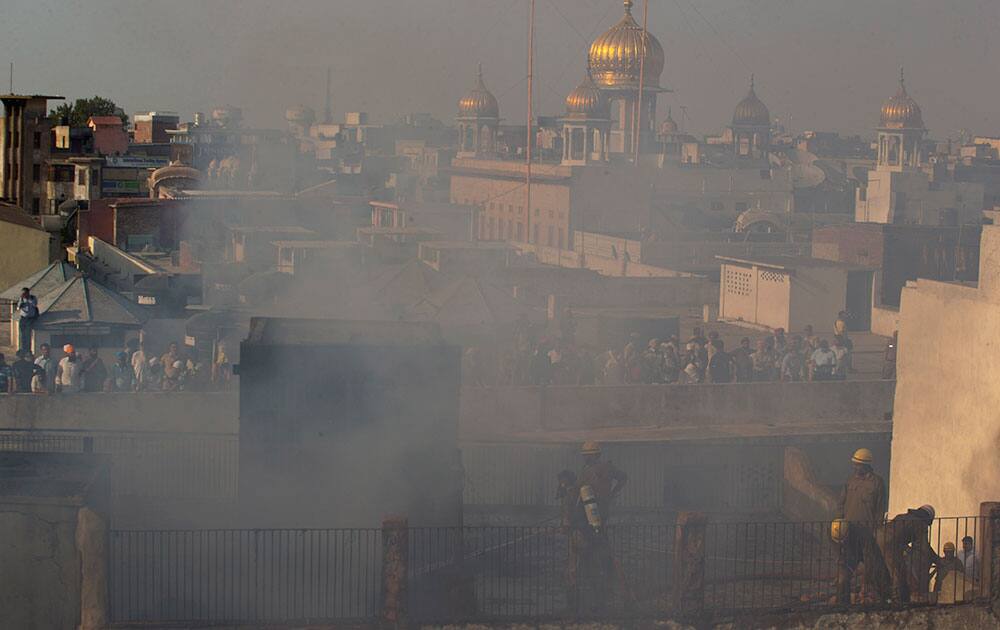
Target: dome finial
{"x":902,"y":82}
{"x":628,"y":6}
{"x":751,"y":81}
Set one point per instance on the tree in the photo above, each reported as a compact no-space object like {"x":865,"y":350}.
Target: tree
{"x":77,"y":114}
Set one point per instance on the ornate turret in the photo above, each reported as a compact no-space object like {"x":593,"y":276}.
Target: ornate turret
{"x":615,"y":56}
{"x":478,"y":120}
{"x":751,"y":126}
{"x":901,"y":131}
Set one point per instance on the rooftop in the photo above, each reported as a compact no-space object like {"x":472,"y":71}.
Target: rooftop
{"x":314,"y":244}
{"x":790,"y":263}
{"x":10,"y":213}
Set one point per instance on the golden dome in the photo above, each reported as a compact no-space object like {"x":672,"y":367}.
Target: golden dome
{"x":751,"y":110}
{"x":588,"y":101}
{"x":901,"y":111}
{"x":479,"y":102}
{"x":615,"y":56}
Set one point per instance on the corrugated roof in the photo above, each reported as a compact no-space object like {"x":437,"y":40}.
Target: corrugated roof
{"x":83,"y":301}
{"x":42,"y":282}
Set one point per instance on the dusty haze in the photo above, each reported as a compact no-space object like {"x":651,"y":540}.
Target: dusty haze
{"x":827,"y":64}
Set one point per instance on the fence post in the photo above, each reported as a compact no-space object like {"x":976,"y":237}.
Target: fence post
{"x":989,"y":544}
{"x":689,"y":563}
{"x":92,"y":545}
{"x":395,"y":556}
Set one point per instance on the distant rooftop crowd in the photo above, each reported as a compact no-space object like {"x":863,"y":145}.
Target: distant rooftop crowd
{"x":536,"y":359}
{"x":135,"y":369}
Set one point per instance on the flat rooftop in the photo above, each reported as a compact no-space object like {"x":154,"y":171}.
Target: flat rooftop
{"x":791,"y":262}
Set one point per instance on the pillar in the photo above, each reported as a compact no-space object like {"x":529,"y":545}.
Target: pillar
{"x":92,"y":545}
{"x":989,"y":548}
{"x":395,"y":556}
{"x":688,"y":594}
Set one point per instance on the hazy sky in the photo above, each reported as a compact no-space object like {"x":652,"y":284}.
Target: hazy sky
{"x":827,"y":64}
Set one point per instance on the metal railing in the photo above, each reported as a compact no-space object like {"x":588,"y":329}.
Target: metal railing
{"x":783,"y":565}
{"x":534,"y":573}
{"x":244,"y":575}
{"x":147,"y":465}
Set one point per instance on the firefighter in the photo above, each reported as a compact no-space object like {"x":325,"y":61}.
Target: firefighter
{"x":589,"y":555}
{"x":606,"y":480}
{"x":862,"y":508}
{"x":908,"y":554}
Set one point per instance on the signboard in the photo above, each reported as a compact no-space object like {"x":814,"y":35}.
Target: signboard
{"x":116,"y":187}
{"x":135,"y":161}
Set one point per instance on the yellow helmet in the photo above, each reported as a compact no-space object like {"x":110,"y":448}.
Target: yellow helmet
{"x":863,"y":456}
{"x":590,"y":448}
{"x":838,"y":530}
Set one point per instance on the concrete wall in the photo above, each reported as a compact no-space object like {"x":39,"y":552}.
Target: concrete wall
{"x":23,"y":251}
{"x":503,"y":411}
{"x":174,"y":412}
{"x":885,"y":320}
{"x":39,"y":565}
{"x":818,"y":294}
{"x":946,"y":429}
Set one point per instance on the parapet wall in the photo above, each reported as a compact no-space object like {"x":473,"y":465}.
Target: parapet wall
{"x":174,"y":412}
{"x":502,"y":411}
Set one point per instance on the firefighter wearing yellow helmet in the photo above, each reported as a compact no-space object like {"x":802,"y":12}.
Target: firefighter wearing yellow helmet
{"x":605,"y":480}
{"x":862,"y":510}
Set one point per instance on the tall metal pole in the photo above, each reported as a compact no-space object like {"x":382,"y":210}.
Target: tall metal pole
{"x":642,"y":81}
{"x":531,"y":72}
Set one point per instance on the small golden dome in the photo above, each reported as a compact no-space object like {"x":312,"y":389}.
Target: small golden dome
{"x":615,"y":56}
{"x":479,"y":102}
{"x":901,"y":111}
{"x":751,"y":110}
{"x":668,"y":127}
{"x":588,"y":101}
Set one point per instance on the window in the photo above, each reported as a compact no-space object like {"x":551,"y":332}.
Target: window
{"x":81,"y":177}
{"x":552,"y":214}
{"x":36,"y":172}
{"x":534,"y":238}
{"x":520,"y":231}
{"x":37,"y":140}
{"x":34,"y":205}
{"x":718,"y":206}
{"x":537,"y":212}
{"x":552,"y":238}
{"x":510,"y":208}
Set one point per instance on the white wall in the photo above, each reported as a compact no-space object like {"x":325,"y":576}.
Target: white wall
{"x":946,"y":427}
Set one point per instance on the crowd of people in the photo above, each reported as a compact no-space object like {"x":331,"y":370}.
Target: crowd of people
{"x":539,"y":359}
{"x":135,"y":369}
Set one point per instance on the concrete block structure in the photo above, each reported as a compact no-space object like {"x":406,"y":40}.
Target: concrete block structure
{"x":792,"y":291}
{"x":945,"y":425}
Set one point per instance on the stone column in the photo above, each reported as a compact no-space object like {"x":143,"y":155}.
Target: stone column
{"x":688,"y":594}
{"x":395,"y":556}
{"x":989,"y":548}
{"x":92,"y":545}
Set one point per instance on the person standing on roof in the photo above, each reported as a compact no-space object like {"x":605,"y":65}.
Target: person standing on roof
{"x":27,"y":313}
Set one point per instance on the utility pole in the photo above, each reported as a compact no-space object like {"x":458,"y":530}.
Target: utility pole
{"x":531,"y":72}
{"x":642,"y":80}
{"x":327,"y":113}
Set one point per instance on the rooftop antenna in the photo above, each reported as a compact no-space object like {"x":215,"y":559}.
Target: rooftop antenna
{"x":327,"y":114}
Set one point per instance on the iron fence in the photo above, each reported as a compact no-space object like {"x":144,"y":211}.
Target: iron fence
{"x":147,"y":465}
{"x":782,"y":565}
{"x":511,"y":573}
{"x":244,"y":575}
{"x":537,"y":572}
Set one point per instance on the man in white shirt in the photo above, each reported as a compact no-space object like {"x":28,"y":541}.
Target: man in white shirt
{"x":968,"y":557}
{"x":824,"y":362}
{"x":69,"y":374}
